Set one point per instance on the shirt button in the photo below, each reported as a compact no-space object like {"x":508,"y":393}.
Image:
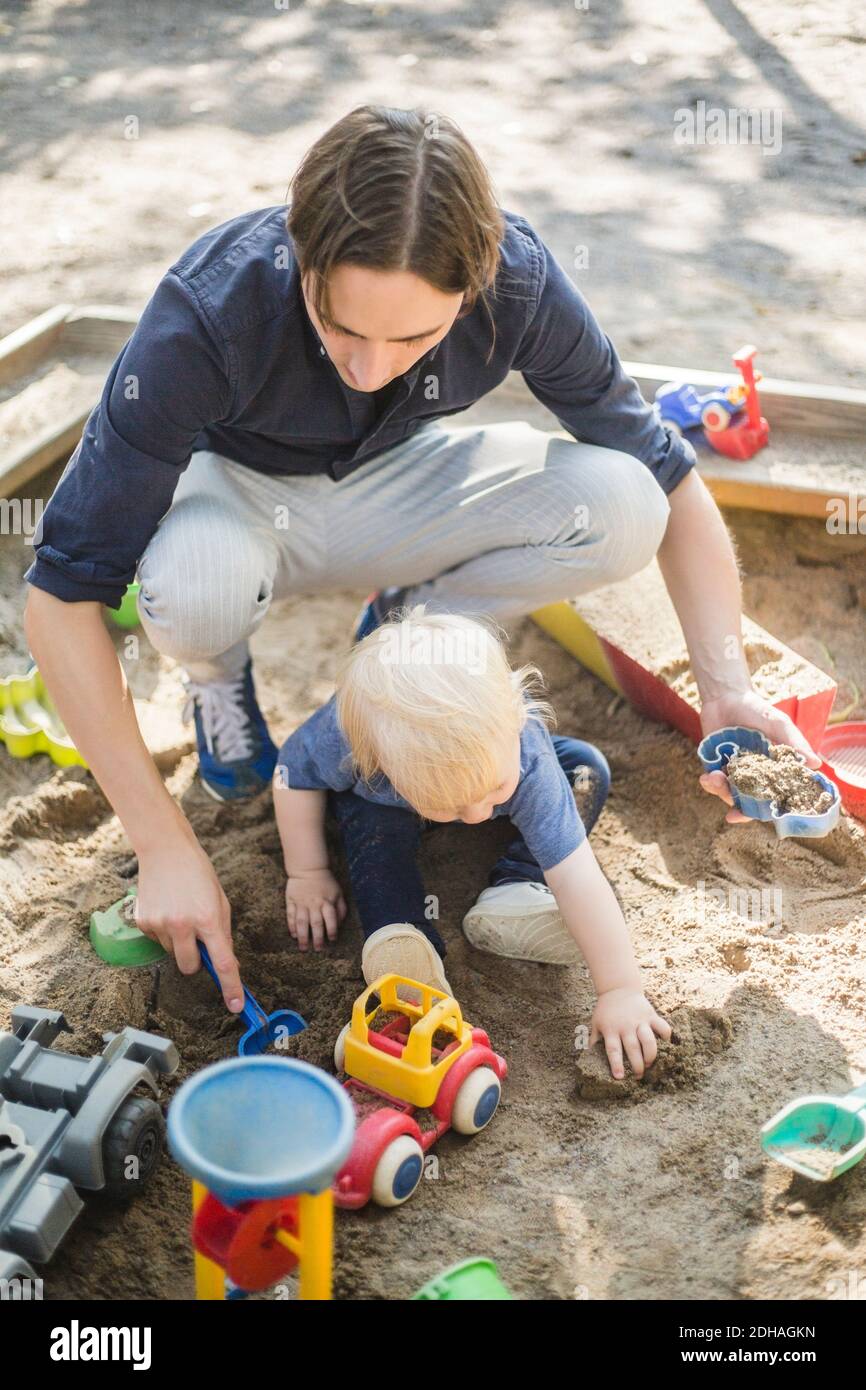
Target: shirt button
{"x":321,"y":352}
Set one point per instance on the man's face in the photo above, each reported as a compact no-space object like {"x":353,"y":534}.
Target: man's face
{"x":381,"y":323}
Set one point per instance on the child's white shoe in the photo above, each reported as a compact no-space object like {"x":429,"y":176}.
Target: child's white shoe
{"x":522,"y":921}
{"x":401,"y":949}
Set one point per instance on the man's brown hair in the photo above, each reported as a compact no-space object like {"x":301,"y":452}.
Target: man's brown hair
{"x":396,"y":190}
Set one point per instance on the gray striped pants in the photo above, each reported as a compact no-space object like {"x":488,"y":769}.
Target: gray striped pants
{"x":498,"y":519}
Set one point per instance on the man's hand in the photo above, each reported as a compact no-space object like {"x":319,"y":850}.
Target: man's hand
{"x":749,"y":710}
{"x":314,"y":906}
{"x":180,"y":902}
{"x":626,"y":1019}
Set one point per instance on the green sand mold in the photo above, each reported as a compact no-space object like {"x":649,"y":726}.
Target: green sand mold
{"x":127,"y":614}
{"x":819,"y":1136}
{"x":476,"y":1280}
{"x":118,"y":941}
{"x":30,"y":724}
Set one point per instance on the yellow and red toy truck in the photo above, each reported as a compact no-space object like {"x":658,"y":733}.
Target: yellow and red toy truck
{"x":420,"y":1071}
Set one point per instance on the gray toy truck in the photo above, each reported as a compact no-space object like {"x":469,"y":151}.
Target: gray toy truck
{"x":68,"y":1122}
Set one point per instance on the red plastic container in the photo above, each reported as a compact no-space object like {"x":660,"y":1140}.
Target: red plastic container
{"x":843,"y":748}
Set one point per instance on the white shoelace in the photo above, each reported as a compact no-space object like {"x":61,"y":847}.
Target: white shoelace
{"x":224,"y":721}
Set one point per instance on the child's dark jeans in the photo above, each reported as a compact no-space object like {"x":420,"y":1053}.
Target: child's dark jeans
{"x":381,"y":845}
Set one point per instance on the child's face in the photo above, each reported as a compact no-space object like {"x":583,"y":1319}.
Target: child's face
{"x":482,"y":810}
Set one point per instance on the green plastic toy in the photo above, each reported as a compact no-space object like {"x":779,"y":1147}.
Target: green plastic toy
{"x":115,"y":937}
{"x":127,"y":614}
{"x":819,"y":1136}
{"x":473,"y":1280}
{"x":30,"y":724}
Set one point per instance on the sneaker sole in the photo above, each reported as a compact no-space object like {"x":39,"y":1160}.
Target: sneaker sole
{"x":539,"y":936}
{"x":225,"y":800}
{"x":400,"y":950}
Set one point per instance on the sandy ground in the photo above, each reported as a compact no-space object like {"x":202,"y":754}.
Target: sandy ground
{"x":754,"y":946}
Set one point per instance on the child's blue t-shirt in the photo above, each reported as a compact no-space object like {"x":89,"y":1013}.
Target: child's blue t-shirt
{"x":317,"y":757}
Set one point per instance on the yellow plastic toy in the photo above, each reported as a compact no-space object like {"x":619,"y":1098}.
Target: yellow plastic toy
{"x":30,"y":724}
{"x":414,"y":1069}
{"x":415,"y":1075}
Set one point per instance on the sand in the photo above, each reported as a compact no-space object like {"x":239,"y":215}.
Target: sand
{"x":781,"y":778}
{"x":752,"y":947}
{"x":660,"y":1197}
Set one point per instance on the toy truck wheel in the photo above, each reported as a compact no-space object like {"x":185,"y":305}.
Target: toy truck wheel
{"x":132,"y":1146}
{"x":476,"y":1101}
{"x":398,"y":1172}
{"x":672,"y":426}
{"x":715,"y":417}
{"x":340,"y":1048}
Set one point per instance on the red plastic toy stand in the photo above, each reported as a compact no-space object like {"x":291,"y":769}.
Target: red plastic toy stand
{"x":749,"y":432}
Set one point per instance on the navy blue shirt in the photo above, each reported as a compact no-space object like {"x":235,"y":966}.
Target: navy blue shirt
{"x":225,"y":358}
{"x":317,"y":757}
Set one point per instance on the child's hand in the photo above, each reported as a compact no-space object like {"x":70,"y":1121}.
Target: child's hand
{"x":626,"y":1019}
{"x":314,"y":906}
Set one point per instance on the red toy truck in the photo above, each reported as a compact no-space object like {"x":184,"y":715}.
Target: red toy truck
{"x":413,"y":1071}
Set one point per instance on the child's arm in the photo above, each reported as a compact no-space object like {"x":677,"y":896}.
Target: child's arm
{"x":314,"y":901}
{"x":623,"y":1017}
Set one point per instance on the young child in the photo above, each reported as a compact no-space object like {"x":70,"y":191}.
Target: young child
{"x":430,"y":723}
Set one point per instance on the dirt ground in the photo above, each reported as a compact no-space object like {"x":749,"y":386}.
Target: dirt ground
{"x":754,"y":946}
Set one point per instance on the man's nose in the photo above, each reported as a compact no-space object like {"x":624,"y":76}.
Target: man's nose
{"x":370,"y":365}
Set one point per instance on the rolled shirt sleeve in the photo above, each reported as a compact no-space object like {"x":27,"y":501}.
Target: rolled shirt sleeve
{"x":570,"y":365}
{"x":170,"y":380}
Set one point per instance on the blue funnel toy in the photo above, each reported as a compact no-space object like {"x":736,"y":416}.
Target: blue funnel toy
{"x":262,"y":1029}
{"x":253,"y":1128}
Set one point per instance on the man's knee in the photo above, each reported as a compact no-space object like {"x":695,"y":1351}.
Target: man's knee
{"x":204,"y":585}
{"x":628,"y":517}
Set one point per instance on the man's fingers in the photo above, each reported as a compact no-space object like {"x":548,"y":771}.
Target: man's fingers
{"x":717,"y":784}
{"x":226,"y":966}
{"x":186,"y":953}
{"x":780,"y":728}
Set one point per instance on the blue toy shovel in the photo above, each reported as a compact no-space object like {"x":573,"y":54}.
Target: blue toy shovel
{"x":819,"y":1136}
{"x":262,"y":1029}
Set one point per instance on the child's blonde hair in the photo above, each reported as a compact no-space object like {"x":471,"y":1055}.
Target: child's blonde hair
{"x":430,"y":701}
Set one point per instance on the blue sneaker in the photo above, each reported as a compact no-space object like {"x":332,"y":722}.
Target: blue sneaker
{"x":376,"y":610}
{"x":236,"y":754}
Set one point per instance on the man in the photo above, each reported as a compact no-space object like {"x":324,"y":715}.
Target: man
{"x":277,"y":424}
